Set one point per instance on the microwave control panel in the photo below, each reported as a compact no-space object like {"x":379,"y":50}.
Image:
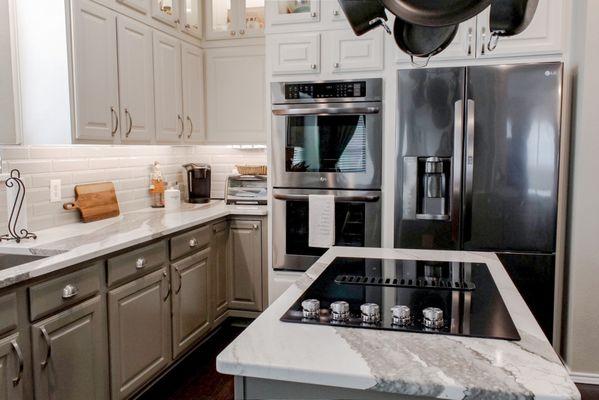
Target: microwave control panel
{"x":325,"y":90}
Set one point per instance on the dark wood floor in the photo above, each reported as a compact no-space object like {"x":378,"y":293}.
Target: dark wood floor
{"x":196,"y":378}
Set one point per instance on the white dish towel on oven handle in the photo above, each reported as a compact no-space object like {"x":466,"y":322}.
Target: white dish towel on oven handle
{"x":321,"y":220}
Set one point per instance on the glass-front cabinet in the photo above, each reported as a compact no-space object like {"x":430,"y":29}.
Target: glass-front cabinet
{"x":293,"y":11}
{"x":232,"y":19}
{"x":166,"y":11}
{"x":191,"y":17}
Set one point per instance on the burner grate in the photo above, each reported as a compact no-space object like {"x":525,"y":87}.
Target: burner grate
{"x":428,"y":283}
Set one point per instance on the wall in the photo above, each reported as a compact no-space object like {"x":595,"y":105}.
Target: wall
{"x":581,"y":347}
{"x":127,"y":166}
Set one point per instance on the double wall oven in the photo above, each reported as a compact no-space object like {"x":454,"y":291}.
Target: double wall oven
{"x":327,"y":139}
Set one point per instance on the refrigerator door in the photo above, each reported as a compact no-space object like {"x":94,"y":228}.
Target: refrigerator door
{"x":429,"y":156}
{"x":512,"y":137}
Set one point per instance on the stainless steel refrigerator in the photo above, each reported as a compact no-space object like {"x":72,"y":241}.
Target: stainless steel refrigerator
{"x":477,"y":168}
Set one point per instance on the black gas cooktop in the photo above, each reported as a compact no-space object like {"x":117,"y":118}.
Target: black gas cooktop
{"x":450,"y":298}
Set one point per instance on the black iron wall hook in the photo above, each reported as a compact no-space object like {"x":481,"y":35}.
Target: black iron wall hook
{"x":13,"y":233}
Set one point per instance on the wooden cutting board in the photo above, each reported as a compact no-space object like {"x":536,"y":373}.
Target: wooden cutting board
{"x":95,"y":201}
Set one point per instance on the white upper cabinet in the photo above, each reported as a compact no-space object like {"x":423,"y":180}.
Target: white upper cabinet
{"x":348,"y":53}
{"x":280,"y":12}
{"x":193,"y":93}
{"x":191,"y":17}
{"x":136,"y":80}
{"x":143,"y":6}
{"x":170,"y":124}
{"x":95,"y":72}
{"x":233,"y":19}
{"x":297,"y":53}
{"x":235,"y":89}
{"x":167,"y":11}
{"x":544,"y":35}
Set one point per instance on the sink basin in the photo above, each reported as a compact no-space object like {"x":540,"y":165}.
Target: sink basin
{"x":12,"y":260}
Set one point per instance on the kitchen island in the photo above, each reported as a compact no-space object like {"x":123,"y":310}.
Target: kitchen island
{"x":279,"y":360}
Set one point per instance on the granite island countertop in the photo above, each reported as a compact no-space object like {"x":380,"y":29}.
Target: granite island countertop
{"x":437,"y":366}
{"x":75,"y":243}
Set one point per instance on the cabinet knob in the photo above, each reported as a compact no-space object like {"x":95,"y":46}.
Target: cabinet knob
{"x":140,"y":263}
{"x":233,"y":33}
{"x":69,"y":291}
{"x":242,"y":32}
{"x":193,"y":242}
{"x":336,"y":13}
{"x":336,"y":65}
{"x":187,"y":26}
{"x":177,"y":21}
{"x":255,"y":227}
{"x":313,"y":14}
{"x":312,"y":66}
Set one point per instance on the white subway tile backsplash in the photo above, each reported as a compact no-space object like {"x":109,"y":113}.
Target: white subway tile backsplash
{"x":127,"y":166}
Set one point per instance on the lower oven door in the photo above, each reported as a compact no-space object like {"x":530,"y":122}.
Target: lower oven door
{"x":357,"y":224}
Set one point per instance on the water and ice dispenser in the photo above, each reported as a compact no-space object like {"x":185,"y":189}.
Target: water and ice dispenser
{"x":427,"y":188}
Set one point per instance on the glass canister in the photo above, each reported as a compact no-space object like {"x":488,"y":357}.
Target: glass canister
{"x":157,"y":186}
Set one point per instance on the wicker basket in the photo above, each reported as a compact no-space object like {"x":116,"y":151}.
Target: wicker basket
{"x":251,"y":169}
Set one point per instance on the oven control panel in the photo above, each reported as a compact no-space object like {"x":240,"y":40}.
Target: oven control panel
{"x":325,"y":90}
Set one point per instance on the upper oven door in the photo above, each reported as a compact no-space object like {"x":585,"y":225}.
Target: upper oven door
{"x":327,"y":145}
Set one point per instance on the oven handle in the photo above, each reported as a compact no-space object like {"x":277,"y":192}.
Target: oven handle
{"x":326,"y":111}
{"x":338,"y":199}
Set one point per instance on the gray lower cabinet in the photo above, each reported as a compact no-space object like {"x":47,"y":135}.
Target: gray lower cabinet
{"x":245,"y":267}
{"x":140,"y":332}
{"x":70,"y":353}
{"x":191,"y":300}
{"x":220,"y":259}
{"x":11,"y":368}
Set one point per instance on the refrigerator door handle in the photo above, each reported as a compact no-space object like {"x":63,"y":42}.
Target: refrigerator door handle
{"x":469,"y":170}
{"x":456,"y":189}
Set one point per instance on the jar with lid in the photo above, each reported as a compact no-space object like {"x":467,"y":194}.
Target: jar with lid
{"x":157,"y":186}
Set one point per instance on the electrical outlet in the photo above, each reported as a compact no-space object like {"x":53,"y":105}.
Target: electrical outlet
{"x":55,"y":191}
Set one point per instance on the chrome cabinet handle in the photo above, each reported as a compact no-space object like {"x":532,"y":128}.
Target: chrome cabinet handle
{"x":69,"y":291}
{"x":116,"y":118}
{"x":336,"y":13}
{"x":312,"y":66}
{"x":313,"y":14}
{"x":469,"y":41}
{"x":46,"y":337}
{"x":182,"y":125}
{"x":233,"y":33}
{"x":17,"y":350}
{"x":193,"y":242}
{"x":242,"y":32}
{"x":336,"y":65}
{"x":190,"y":127}
{"x":484,"y":37}
{"x":180,"y":280}
{"x":140,"y":263}
{"x":128,"y":114}
{"x":168,"y":293}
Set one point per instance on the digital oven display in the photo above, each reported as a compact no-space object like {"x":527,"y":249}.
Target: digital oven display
{"x":325,"y":90}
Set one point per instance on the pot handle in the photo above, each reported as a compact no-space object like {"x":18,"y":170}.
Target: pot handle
{"x":415,"y":64}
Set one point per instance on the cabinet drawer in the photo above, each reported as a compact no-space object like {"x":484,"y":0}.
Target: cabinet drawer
{"x":8,"y":312}
{"x":136,"y":262}
{"x":63,"y":291}
{"x":189,"y":242}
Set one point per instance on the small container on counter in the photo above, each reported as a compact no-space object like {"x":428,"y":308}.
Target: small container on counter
{"x":172,"y":198}
{"x":157,"y":186}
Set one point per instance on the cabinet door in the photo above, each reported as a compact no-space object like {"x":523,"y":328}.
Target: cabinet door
{"x":350,"y":53}
{"x":190,"y":300}
{"x":167,"y":88}
{"x":70,"y":354}
{"x":235,"y":86}
{"x":191,"y":18}
{"x":292,"y":12}
{"x":463,"y":46}
{"x":245,"y":268}
{"x":166,"y":11}
{"x":136,"y":80}
{"x":297,"y":53}
{"x":544,"y":35}
{"x":251,"y":18}
{"x":222,"y":19}
{"x":218,"y":279}
{"x":193,"y":93}
{"x":143,"y":6}
{"x":11,"y":368}
{"x":95,"y":72}
{"x":140,"y":332}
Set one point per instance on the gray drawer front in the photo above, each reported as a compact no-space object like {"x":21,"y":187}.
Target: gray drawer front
{"x":136,"y":262}
{"x":190,"y":242}
{"x":8,"y":313}
{"x":48,"y":297}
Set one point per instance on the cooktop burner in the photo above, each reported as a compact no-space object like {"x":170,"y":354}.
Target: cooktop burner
{"x":450,"y":298}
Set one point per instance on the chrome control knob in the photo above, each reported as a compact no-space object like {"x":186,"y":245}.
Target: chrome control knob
{"x":340,"y":310}
{"x":433,"y":317}
{"x":311,"y":308}
{"x":401,"y":315}
{"x":371,"y":313}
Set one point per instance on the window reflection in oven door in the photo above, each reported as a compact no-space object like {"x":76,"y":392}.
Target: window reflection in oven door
{"x":357,"y":224}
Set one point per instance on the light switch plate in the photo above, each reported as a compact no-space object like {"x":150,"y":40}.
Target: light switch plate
{"x":55,"y":191}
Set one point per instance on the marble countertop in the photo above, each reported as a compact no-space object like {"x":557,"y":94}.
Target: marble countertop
{"x":437,"y":366}
{"x":71,"y":244}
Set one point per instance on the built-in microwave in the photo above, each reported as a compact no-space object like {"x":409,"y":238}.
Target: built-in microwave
{"x":327,"y":134}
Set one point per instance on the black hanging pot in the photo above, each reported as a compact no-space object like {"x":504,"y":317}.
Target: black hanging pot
{"x":509,"y":18}
{"x":422,"y":41}
{"x":436,"y":13}
{"x":364,"y":15}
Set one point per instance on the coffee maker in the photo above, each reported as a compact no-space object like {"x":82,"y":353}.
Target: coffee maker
{"x":198,"y":182}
